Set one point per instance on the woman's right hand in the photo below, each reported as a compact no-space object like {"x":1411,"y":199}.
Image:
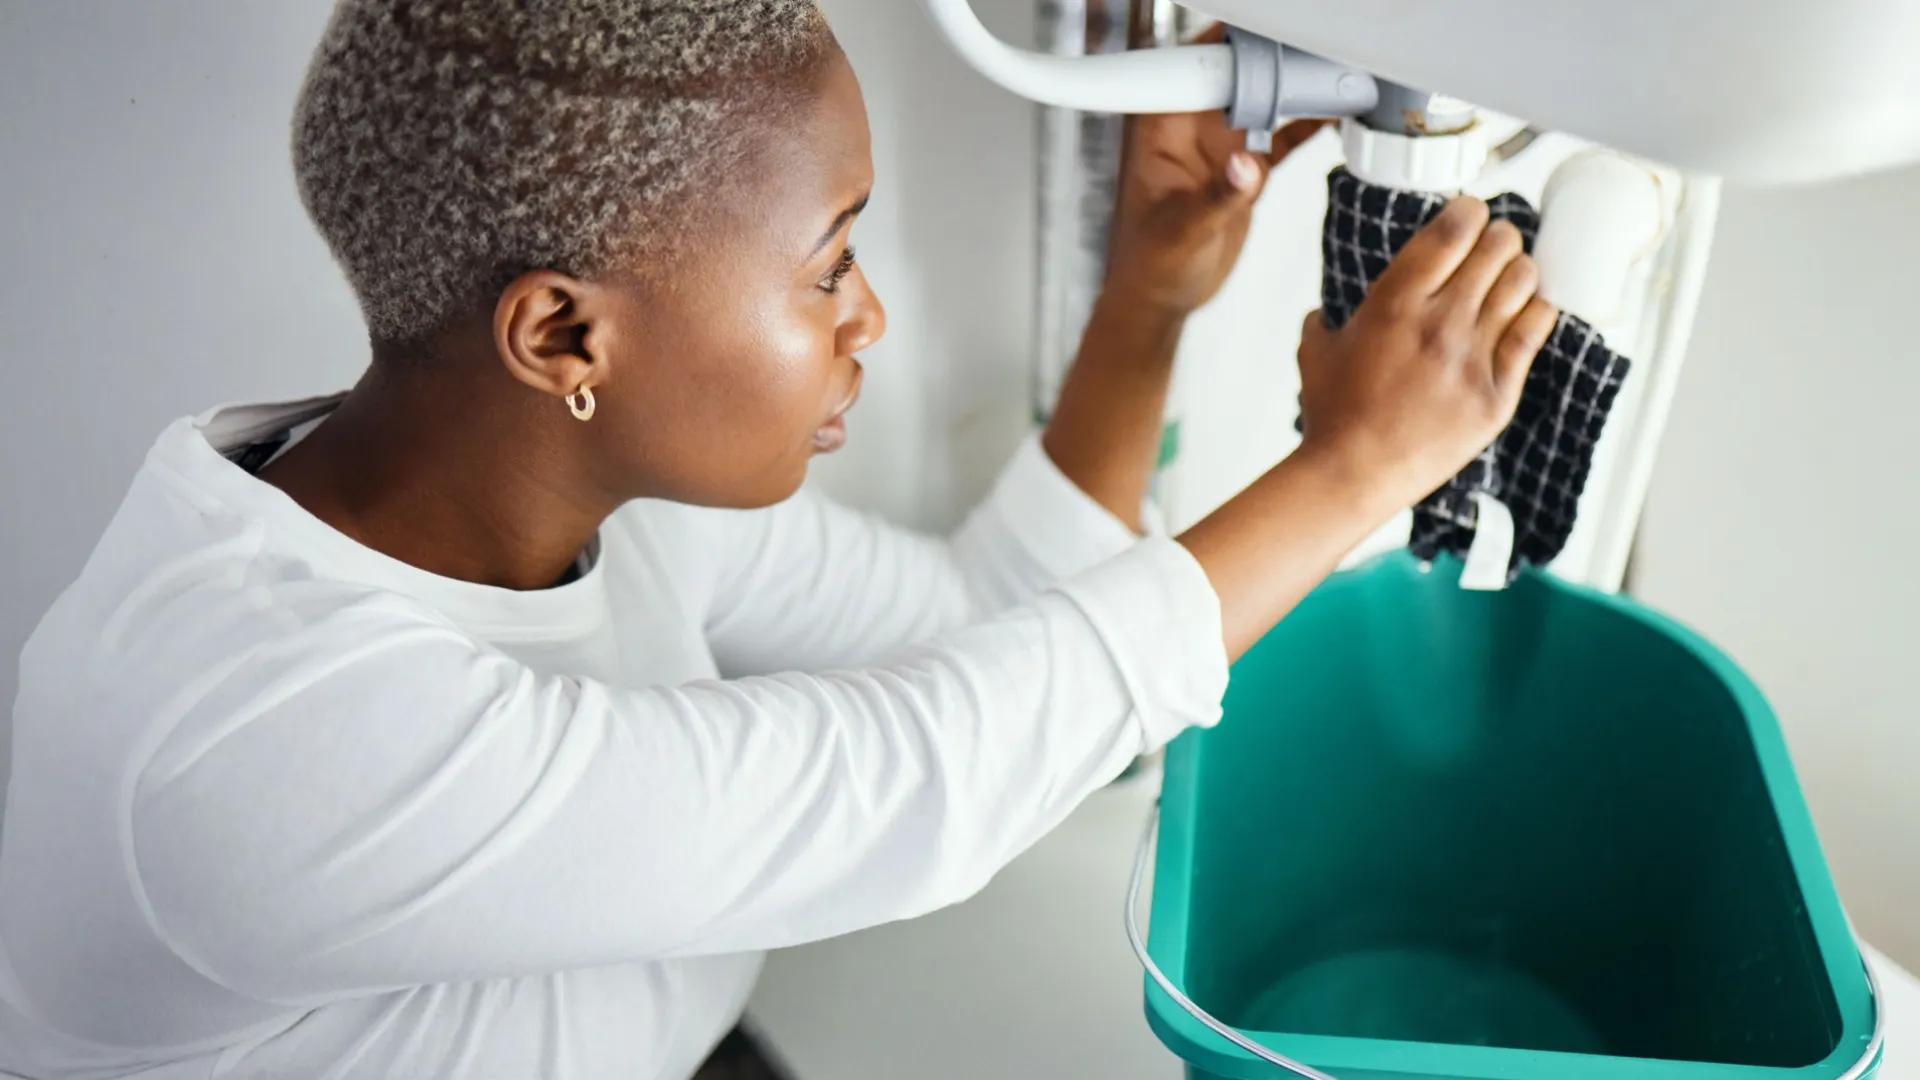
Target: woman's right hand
{"x":1420,"y":380}
{"x":1430,"y":368}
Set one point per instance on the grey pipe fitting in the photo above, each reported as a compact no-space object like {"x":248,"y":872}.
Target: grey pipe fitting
{"x":1403,"y":110}
{"x":1273,"y":82}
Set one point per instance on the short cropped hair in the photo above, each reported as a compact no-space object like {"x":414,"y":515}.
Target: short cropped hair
{"x":443,"y":147}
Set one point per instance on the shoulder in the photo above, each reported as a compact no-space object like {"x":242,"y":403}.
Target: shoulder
{"x":180,"y":599}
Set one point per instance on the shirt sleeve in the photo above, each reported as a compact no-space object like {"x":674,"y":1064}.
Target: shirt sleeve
{"x":378,"y":801}
{"x":811,"y":584}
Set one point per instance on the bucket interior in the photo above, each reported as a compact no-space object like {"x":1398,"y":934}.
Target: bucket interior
{"x":1527,"y":820}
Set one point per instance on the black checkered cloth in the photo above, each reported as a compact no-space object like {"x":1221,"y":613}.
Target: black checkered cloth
{"x":1539,"y":464}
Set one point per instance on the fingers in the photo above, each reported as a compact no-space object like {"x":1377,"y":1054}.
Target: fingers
{"x":1497,"y":249}
{"x":1425,"y":264}
{"x":1510,"y":293}
{"x":1232,"y":188}
{"x":1525,"y":337}
{"x":1198,"y":213}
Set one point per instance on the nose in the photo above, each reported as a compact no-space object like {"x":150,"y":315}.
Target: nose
{"x":866,"y":318}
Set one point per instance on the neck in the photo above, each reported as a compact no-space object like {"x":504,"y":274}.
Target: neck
{"x":457,"y":474}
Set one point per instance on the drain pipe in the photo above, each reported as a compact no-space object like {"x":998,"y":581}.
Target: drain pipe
{"x":1189,"y":78}
{"x":1416,"y":140}
{"x":1257,"y":81}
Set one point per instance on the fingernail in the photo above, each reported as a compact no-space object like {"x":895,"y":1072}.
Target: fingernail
{"x":1242,"y":173}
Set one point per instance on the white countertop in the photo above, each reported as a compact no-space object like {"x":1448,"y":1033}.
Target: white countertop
{"x":1033,"y":978}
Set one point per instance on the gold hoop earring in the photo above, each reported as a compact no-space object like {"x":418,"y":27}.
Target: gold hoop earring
{"x":580,"y":403}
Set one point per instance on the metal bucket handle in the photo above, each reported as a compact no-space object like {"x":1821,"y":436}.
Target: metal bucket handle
{"x":1238,"y":1038}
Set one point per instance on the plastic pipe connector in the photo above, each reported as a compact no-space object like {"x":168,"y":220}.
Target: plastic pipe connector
{"x":1257,"y":81}
{"x":1273,"y":82}
{"x":1601,"y":215}
{"x":1437,"y":163}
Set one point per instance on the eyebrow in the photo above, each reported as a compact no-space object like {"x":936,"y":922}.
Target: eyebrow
{"x":839,"y":223}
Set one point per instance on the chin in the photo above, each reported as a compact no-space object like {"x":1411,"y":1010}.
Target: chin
{"x":752,"y":487}
{"x":786,"y":491}
{"x":770,"y":489}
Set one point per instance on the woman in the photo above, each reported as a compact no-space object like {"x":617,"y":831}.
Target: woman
{"x":387,"y":735}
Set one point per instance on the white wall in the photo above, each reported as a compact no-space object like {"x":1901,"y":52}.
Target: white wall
{"x":153,"y":257}
{"x":1784,"y":520}
{"x":154,"y":260}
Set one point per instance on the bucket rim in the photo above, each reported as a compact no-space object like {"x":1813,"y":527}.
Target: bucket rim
{"x":1838,"y":950}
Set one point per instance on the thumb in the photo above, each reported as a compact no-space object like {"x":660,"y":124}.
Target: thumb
{"x":1313,"y":348}
{"x":1230,"y":191}
{"x":1314,"y":333}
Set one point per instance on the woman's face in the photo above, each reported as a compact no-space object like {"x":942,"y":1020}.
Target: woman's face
{"x":733,"y":370}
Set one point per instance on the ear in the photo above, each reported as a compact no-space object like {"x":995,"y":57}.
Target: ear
{"x":550,"y":333}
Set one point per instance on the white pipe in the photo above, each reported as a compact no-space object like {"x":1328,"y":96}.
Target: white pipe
{"x":1436,"y":163}
{"x":1694,"y":228}
{"x":1600,"y":217}
{"x":1186,"y":78}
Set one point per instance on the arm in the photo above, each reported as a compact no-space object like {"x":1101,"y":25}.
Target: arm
{"x":811,"y":584}
{"x":376,"y":801}
{"x":1105,"y":429}
{"x":1186,"y":201}
{"x":1426,"y":374}
{"x":372,"y":800}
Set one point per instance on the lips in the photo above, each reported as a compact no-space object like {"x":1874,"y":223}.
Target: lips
{"x":832,"y":435}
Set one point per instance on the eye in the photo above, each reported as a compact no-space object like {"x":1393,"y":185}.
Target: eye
{"x":831,"y":283}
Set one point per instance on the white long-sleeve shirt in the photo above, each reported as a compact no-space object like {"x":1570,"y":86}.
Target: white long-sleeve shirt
{"x":282,"y":806}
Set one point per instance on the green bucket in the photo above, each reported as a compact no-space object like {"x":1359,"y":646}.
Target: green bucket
{"x":1536,"y":833}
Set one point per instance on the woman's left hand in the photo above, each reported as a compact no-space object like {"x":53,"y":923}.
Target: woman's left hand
{"x":1187,"y":189}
